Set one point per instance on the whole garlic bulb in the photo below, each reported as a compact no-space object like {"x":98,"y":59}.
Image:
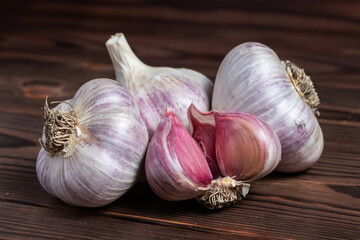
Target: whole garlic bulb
{"x":93,"y":145}
{"x":156,"y":88}
{"x":176,"y":168}
{"x":252,"y":79}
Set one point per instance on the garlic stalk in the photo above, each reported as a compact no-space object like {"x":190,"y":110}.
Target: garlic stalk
{"x":176,"y":168}
{"x":156,"y":88}
{"x":252,"y":79}
{"x":92,"y":145}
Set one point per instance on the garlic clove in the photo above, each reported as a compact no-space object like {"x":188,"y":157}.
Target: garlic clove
{"x":156,"y":88}
{"x":246,"y":148}
{"x":204,"y":132}
{"x":235,"y":144}
{"x":176,"y":169}
{"x":175,"y":166}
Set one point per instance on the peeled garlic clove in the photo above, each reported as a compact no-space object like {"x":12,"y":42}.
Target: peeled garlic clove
{"x":252,"y":79}
{"x":92,"y":145}
{"x":156,"y":88}
{"x":246,"y":148}
{"x":175,"y":166}
{"x":204,"y":132}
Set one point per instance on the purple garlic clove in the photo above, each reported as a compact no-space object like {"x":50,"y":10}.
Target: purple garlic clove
{"x":246,"y":147}
{"x":204,"y":132}
{"x":175,"y":166}
{"x":243,"y":149}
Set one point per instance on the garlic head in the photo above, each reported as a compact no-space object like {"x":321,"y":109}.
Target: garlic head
{"x":156,"y":88}
{"x":252,"y":79}
{"x":92,"y":145}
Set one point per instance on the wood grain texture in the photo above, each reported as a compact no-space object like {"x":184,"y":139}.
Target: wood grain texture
{"x":50,"y":48}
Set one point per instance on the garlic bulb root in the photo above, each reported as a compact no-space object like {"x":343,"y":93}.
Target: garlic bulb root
{"x":223,"y":192}
{"x":303,"y":85}
{"x":60,"y":130}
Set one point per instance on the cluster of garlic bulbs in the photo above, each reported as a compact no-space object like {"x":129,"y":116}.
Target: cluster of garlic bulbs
{"x":263,"y":119}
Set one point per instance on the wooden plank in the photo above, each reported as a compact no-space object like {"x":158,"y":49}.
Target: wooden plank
{"x":19,"y":221}
{"x":337,"y":101}
{"x":326,"y":63}
{"x":309,"y":207}
{"x":320,"y":202}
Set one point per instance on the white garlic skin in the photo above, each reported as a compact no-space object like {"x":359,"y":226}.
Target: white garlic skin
{"x":156,"y":88}
{"x":252,"y":79}
{"x":107,"y":154}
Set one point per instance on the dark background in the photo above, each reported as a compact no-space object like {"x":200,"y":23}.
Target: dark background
{"x":50,"y":48}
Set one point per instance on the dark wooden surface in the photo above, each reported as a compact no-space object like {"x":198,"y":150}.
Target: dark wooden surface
{"x":53,"y":47}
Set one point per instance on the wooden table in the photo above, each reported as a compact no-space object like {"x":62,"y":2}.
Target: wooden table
{"x":53,"y":47}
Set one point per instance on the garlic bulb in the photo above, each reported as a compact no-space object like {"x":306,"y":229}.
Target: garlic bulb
{"x":176,"y":168}
{"x":252,"y":79}
{"x":92,"y":145}
{"x":156,"y":88}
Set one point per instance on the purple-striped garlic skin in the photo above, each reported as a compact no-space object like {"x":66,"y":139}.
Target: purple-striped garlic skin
{"x":101,"y":161}
{"x":252,"y":79}
{"x":156,"y":88}
{"x":175,"y":166}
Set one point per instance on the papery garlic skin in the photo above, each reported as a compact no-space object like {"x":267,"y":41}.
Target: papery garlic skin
{"x":175,"y":166}
{"x":156,"y":88}
{"x":103,"y":159}
{"x":252,"y":79}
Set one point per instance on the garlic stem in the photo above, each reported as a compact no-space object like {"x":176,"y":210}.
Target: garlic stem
{"x":125,"y":62}
{"x":223,"y":192}
{"x":303,"y":85}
